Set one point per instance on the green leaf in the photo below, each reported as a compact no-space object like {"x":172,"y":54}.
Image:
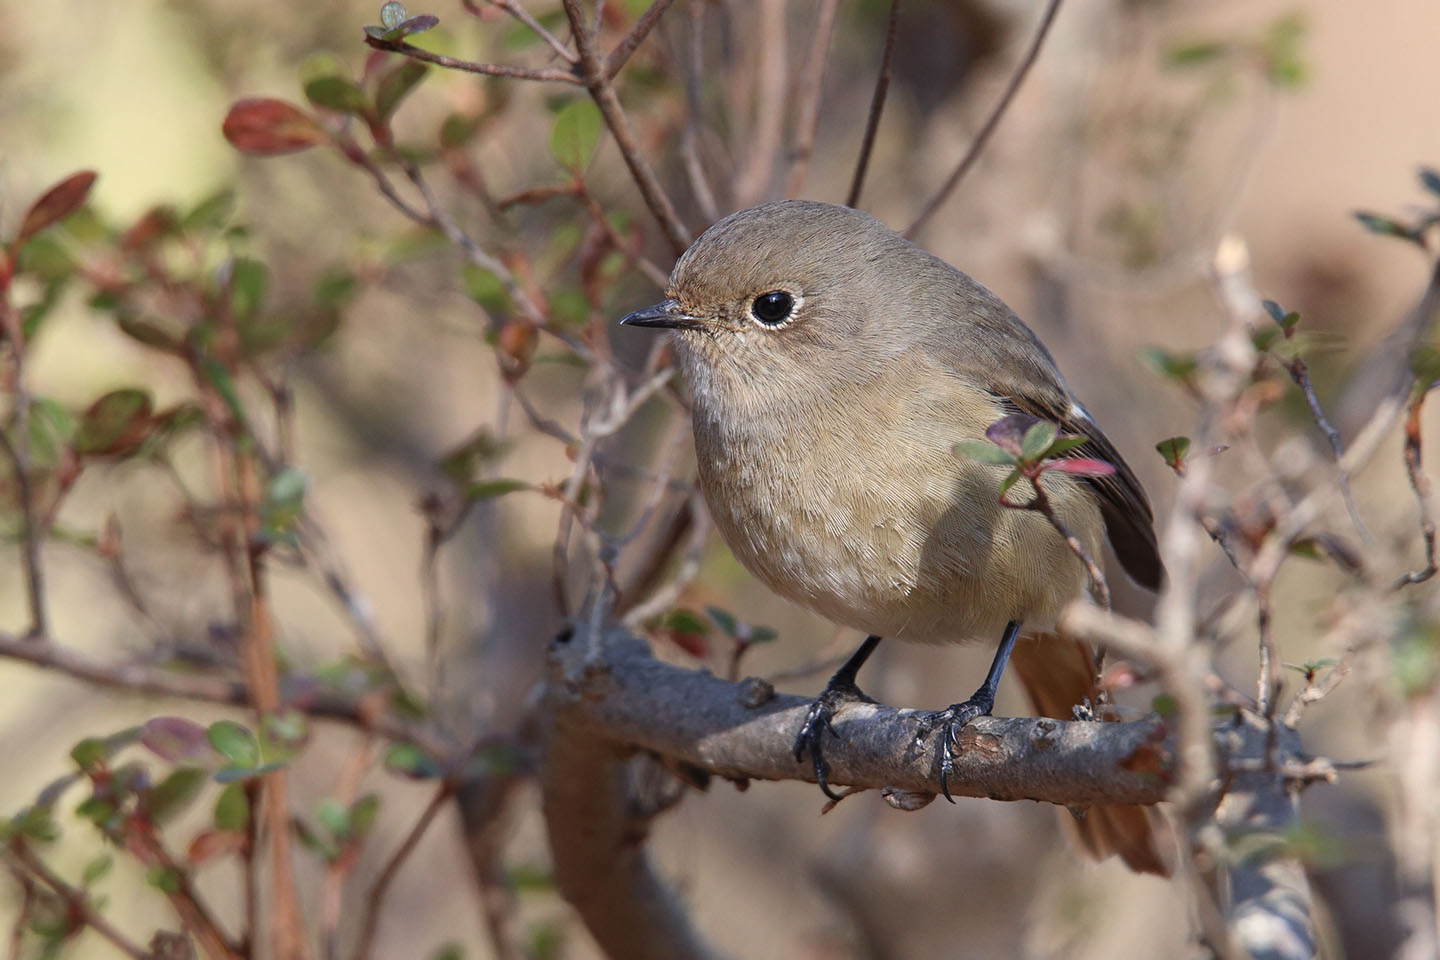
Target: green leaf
{"x":234,"y":742}
{"x":681,"y":620}
{"x":89,"y":754}
{"x":409,"y":760}
{"x":248,"y":281}
{"x":232,"y":808}
{"x":52,"y":428}
{"x":1165,"y":705}
{"x":485,"y":288}
{"x":172,"y":795}
{"x":96,"y":870}
{"x":1008,"y":482}
{"x":490,"y":489}
{"x":362,"y":815}
{"x":164,"y":879}
{"x":1176,"y":366}
{"x":1194,"y":54}
{"x":1038,"y":439}
{"x":762,"y":635}
{"x":725,"y":620}
{"x":1174,"y":449}
{"x":334,"y":815}
{"x":984,"y":452}
{"x":1064,"y":444}
{"x":1384,"y":226}
{"x":576,"y":134}
{"x":115,"y":423}
{"x":1425,"y":364}
{"x":396,"y":85}
{"x":337,"y":93}
{"x":284,"y":499}
{"x":212,"y":213}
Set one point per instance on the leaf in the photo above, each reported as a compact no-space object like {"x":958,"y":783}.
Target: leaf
{"x":1008,"y":482}
{"x":1037,"y":439}
{"x":55,"y":204}
{"x":337,"y":93}
{"x":209,"y":844}
{"x":1173,"y":449}
{"x":211,"y":213}
{"x":1194,"y":54}
{"x":96,"y":869}
{"x":172,"y":795}
{"x":178,"y":740}
{"x":392,"y":14}
{"x":115,"y":424}
{"x":724,"y":619}
{"x":1008,"y":433}
{"x":89,"y":754}
{"x":362,"y":815}
{"x":1083,"y":467}
{"x":334,"y":815}
{"x":490,"y":489}
{"x":1064,"y":444}
{"x":1176,"y":366}
{"x":575,"y":134}
{"x":1425,"y":364}
{"x":284,"y":499}
{"x":263,"y":127}
{"x":396,"y":85}
{"x":681,"y":620}
{"x":52,"y":429}
{"x":232,"y":808}
{"x":164,"y":879}
{"x":1430,"y":179}
{"x":235,"y":743}
{"x":1384,"y":226}
{"x":762,"y":635}
{"x":410,"y":761}
{"x":984,"y":452}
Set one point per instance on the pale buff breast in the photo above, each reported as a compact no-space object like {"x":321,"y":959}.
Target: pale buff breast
{"x":875,"y":523}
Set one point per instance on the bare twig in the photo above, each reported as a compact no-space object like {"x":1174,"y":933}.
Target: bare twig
{"x":807,"y":95}
{"x":1420,"y":483}
{"x":1299,"y":371}
{"x":76,"y":900}
{"x":34,"y":570}
{"x":592,"y":73}
{"x":1040,"y":503}
{"x":991,"y":122}
{"x":632,"y":40}
{"x":513,"y":8}
{"x":376,"y":897}
{"x":690,"y":137}
{"x":469,"y":66}
{"x":757,"y":171}
{"x":877,"y":106}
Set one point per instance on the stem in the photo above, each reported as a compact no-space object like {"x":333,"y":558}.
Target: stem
{"x":877,"y":106}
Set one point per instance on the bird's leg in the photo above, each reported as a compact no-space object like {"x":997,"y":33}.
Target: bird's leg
{"x":839,"y":691}
{"x":953,"y":718}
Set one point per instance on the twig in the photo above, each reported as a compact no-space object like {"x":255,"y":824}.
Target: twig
{"x":1299,"y":371}
{"x":757,"y":171}
{"x":991,"y":122}
{"x":592,"y":73}
{"x":1267,"y":687}
{"x":34,"y":571}
{"x":1040,"y":503}
{"x":381,"y":886}
{"x":628,"y":250}
{"x":690,"y":137}
{"x":807,"y":95}
{"x":469,"y":66}
{"x":1420,"y":483}
{"x":520,"y":13}
{"x":22,"y":915}
{"x":1314,"y":692}
{"x":76,"y":900}
{"x":632,"y":40}
{"x":877,"y":106}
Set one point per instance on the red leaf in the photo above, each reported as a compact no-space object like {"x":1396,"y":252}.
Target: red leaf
{"x":57,"y":203}
{"x":692,"y":643}
{"x":209,"y":844}
{"x":1082,"y":466}
{"x":265,"y":128}
{"x":177,"y":740}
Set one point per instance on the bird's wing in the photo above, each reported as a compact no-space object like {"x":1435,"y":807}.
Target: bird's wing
{"x":1013,"y":365}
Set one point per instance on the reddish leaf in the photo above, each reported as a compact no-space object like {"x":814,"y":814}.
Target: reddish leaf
{"x":57,"y":203}
{"x":177,"y":740}
{"x":265,"y":128}
{"x":116,"y":424}
{"x":1082,"y":467}
{"x":209,"y":844}
{"x":1008,"y":433}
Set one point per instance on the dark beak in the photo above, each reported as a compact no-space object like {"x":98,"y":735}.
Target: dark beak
{"x":666,"y":314}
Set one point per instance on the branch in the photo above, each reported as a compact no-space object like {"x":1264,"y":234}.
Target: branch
{"x":592,"y":72}
{"x":757,"y":172}
{"x":991,"y":122}
{"x":34,"y":570}
{"x":1420,"y":484}
{"x":376,"y":897}
{"x":469,"y":66}
{"x":877,"y":106}
{"x":523,"y":15}
{"x":632,"y":40}
{"x":76,"y":900}
{"x":807,"y":96}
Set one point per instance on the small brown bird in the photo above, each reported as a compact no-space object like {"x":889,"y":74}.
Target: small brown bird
{"x":834,"y":367}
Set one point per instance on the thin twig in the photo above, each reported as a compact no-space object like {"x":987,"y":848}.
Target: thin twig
{"x":807,"y":96}
{"x":1266,"y":684}
{"x":877,"y":106}
{"x":757,"y":171}
{"x":376,"y":896}
{"x":520,"y":13}
{"x":1314,"y":692}
{"x":1040,"y":503}
{"x":991,"y":122}
{"x":592,"y":72}
{"x":34,"y":571}
{"x":631,"y":41}
{"x":76,"y":900}
{"x":1420,"y":483}
{"x":690,"y":137}
{"x":470,"y":66}
{"x":1299,"y":371}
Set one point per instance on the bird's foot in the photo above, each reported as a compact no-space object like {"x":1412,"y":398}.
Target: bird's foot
{"x":817,"y":720}
{"x":951,"y":721}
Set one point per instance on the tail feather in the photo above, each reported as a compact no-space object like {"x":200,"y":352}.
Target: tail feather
{"x":1058,"y":673}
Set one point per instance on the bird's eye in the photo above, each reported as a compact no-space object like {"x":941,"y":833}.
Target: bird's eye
{"x":773,"y":308}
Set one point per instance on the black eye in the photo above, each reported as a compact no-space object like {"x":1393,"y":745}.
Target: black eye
{"x":772,"y":308}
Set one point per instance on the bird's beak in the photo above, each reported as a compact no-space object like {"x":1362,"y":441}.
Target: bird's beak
{"x":666,"y":313}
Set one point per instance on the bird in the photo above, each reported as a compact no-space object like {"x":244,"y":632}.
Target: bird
{"x":833,"y":368}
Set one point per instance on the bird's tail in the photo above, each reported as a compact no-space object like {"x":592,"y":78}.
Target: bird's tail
{"x":1058,"y":673}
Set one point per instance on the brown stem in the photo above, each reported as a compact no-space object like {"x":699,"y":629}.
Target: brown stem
{"x":1299,"y":371}
{"x":194,"y":914}
{"x":807,"y":96}
{"x":75,"y":899}
{"x":877,"y":106}
{"x":632,"y":40}
{"x":469,"y":66}
{"x":991,"y":122}
{"x":376,"y":896}
{"x":690,"y":138}
{"x":592,"y":72}
{"x":756,"y":173}
{"x":1040,"y":503}
{"x":523,"y":15}
{"x":1420,"y":484}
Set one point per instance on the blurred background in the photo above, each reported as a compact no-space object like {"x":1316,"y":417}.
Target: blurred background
{"x":1147,"y":131}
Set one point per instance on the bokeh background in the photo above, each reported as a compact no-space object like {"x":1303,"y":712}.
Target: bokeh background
{"x":1095,"y":213}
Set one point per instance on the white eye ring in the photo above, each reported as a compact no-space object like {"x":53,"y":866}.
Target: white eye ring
{"x":763,"y":312}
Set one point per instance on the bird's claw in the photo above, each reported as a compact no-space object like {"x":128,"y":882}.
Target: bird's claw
{"x":818,"y":720}
{"x":951,"y":721}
